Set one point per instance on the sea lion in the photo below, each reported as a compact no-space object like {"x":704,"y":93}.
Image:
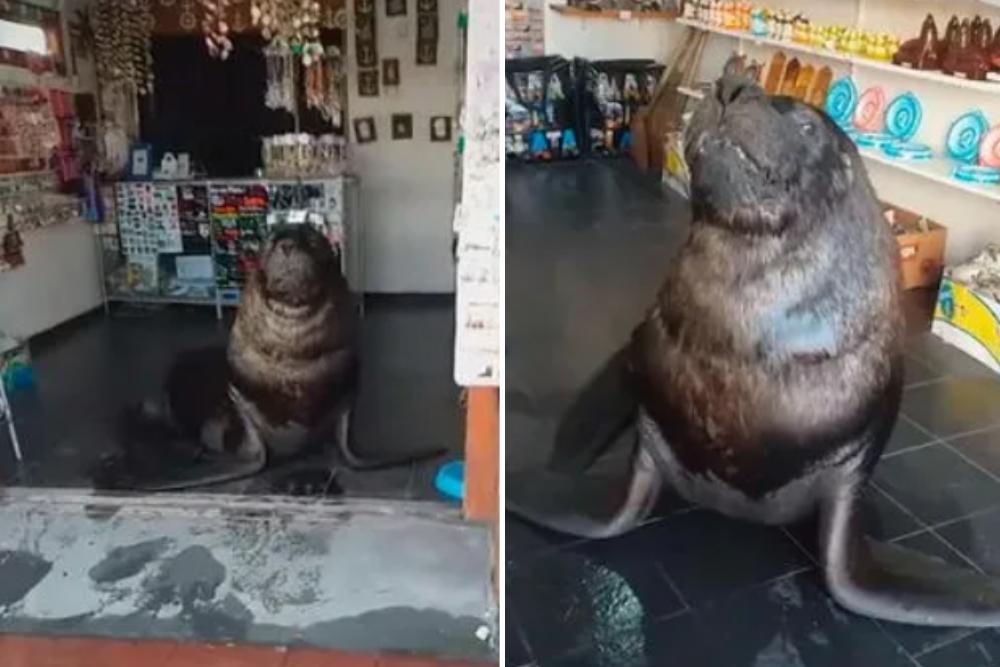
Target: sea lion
{"x":766,"y":378}
{"x":285,"y":383}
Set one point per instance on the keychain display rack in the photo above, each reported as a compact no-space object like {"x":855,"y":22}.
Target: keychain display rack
{"x":192,"y":242}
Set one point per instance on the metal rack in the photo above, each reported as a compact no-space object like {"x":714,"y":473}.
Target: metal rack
{"x":108,"y":244}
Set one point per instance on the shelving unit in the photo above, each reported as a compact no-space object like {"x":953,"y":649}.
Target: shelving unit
{"x":938,"y":169}
{"x":937,"y":77}
{"x":613,"y":14}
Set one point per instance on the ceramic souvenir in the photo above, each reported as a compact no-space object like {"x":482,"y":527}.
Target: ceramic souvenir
{"x":965,"y":136}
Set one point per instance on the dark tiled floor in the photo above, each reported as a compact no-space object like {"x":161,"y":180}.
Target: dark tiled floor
{"x":587,"y":242}
{"x":86,"y":371}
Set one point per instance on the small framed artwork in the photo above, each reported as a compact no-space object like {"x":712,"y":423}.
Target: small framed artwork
{"x":440,"y":128}
{"x":395,"y":7}
{"x":141,"y":161}
{"x":402,"y":126}
{"x":390,"y":72}
{"x":364,"y":130}
{"x":368,"y":83}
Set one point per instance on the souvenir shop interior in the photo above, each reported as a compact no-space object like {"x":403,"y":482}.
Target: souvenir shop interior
{"x":598,"y":98}
{"x":231,"y":282}
{"x":148,"y":150}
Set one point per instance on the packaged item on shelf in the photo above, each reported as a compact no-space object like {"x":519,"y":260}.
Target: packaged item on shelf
{"x":540,"y":109}
{"x":921,"y":246}
{"x":239,"y":227}
{"x":968,"y":307}
{"x":612,"y":91}
{"x":675,"y":169}
{"x":303,"y":155}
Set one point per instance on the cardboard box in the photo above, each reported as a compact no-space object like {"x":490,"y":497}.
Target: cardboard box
{"x":921,"y":253}
{"x":969,"y":319}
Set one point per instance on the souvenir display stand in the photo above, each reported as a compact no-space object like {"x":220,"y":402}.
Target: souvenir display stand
{"x":916,"y":85}
{"x":193,"y":241}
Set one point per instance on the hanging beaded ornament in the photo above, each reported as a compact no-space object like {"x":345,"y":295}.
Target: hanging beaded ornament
{"x":123,"y":42}
{"x":280,"y":91}
{"x":292,"y":22}
{"x":324,"y":86}
{"x":216,"y":29}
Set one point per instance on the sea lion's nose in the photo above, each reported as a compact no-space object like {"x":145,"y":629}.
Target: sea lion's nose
{"x":286,"y":247}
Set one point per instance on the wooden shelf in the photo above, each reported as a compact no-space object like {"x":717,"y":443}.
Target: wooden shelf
{"x":613,"y":14}
{"x":937,"y":77}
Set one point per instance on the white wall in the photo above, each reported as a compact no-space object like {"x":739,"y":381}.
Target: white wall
{"x":597,"y":39}
{"x":60,"y":278}
{"x":407,"y":186}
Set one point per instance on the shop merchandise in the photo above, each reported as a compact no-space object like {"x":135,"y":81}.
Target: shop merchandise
{"x":612,"y":91}
{"x":540,"y":108}
{"x":123,"y":43}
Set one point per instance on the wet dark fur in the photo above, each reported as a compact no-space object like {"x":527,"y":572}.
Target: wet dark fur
{"x":777,"y":335}
{"x":292,"y":353}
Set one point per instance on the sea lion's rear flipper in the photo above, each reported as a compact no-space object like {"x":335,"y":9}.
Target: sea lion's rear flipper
{"x":356,"y":461}
{"x":600,"y":412}
{"x":594,"y":505}
{"x":890,"y":582}
{"x":205,"y":473}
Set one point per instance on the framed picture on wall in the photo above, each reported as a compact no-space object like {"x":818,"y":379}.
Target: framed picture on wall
{"x":364,"y":130}
{"x":395,"y":7}
{"x":390,"y":72}
{"x":368,"y":83}
{"x":402,"y":126}
{"x":440,"y":128}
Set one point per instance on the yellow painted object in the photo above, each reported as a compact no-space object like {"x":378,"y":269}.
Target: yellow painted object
{"x":970,"y":320}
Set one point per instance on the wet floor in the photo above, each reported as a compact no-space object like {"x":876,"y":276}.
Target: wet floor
{"x":88,"y":370}
{"x":587,"y":244}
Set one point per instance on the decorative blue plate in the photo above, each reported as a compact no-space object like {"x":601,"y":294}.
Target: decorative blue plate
{"x":450,"y":480}
{"x":975,"y":174}
{"x":841,"y":100}
{"x":908,"y":151}
{"x":965,"y":136}
{"x":903,"y":116}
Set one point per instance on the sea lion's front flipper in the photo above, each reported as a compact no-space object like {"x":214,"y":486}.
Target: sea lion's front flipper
{"x":595,"y":505}
{"x":600,"y":412}
{"x":890,"y":582}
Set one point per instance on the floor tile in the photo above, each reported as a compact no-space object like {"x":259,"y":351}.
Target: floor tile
{"x":708,"y":556}
{"x":917,"y":372}
{"x":983,"y":448}
{"x":515,"y":648}
{"x":203,"y":655}
{"x":906,"y":435}
{"x":882,"y":519}
{"x":979,"y":650}
{"x":676,"y":642}
{"x":524,"y":541}
{"x":795,"y":622}
{"x":978,"y":538}
{"x":936,"y":484}
{"x":954,"y":405}
{"x":934,"y":353}
{"x":915,"y":639}
{"x":595,"y":592}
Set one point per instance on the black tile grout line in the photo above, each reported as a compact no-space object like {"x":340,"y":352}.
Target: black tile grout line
{"x":670,"y":582}
{"x":800,"y":547}
{"x":518,"y":632}
{"x":878,"y":623}
{"x":948,"y":642}
{"x":929,"y":528}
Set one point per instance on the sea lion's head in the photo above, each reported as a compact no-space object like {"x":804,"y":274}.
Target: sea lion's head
{"x":298,"y":265}
{"x":760,"y":164}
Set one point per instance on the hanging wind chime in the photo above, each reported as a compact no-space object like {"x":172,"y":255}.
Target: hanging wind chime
{"x":294,"y":23}
{"x":280,"y":91}
{"x":324,"y":85}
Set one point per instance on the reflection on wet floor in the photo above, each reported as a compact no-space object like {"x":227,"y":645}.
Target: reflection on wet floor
{"x":587,"y":243}
{"x":87,"y":370}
